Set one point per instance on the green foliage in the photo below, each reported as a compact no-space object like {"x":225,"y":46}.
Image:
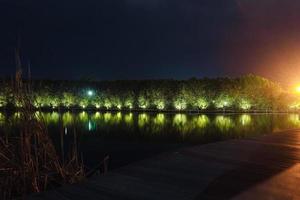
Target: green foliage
{"x":243,"y":93}
{"x":244,"y":104}
{"x":223,"y":101}
{"x":3,"y":101}
{"x":201,"y":103}
{"x":68,"y":99}
{"x":143,"y":102}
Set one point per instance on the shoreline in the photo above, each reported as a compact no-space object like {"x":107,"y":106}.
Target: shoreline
{"x":170,"y":111}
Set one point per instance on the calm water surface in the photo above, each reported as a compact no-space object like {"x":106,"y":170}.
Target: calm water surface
{"x":128,"y":137}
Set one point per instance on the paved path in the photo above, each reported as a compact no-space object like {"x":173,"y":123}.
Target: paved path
{"x":266,"y":167}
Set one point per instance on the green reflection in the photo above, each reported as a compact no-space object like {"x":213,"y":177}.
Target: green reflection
{"x":179,"y":120}
{"x":245,"y":119}
{"x":143,"y":119}
{"x":201,"y":121}
{"x":17,"y":116}
{"x":83,"y":117}
{"x":2,"y":119}
{"x":91,"y":125}
{"x":107,"y":117}
{"x":50,"y":118}
{"x":54,"y":117}
{"x":38,"y":115}
{"x":224,"y":123}
{"x":294,"y":119}
{"x":161,"y":127}
{"x":157,"y":123}
{"x":115,"y":119}
{"x":96,"y":116}
{"x":67,"y":119}
{"x":128,"y":118}
{"x":118,"y":118}
{"x":180,"y":123}
{"x":159,"y":119}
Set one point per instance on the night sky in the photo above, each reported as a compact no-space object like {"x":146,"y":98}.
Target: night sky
{"x":152,"y":39}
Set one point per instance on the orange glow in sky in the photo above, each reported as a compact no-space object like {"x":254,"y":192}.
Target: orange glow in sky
{"x":265,"y":41}
{"x":298,"y":89}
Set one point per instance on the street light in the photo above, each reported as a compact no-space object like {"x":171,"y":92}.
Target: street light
{"x":298,"y":89}
{"x":90,"y":93}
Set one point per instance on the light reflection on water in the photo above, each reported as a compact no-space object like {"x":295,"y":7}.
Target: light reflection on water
{"x":224,"y":123}
{"x":194,"y":127}
{"x":127,"y":137}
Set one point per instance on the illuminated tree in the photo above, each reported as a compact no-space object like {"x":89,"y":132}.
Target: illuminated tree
{"x":3,"y":101}
{"x":116,"y":102}
{"x":223,"y":102}
{"x":201,"y":103}
{"x":98,"y":100}
{"x":68,"y":99}
{"x":181,"y":99}
{"x":128,"y":100}
{"x":158,"y":99}
{"x":244,"y":104}
{"x":143,"y":102}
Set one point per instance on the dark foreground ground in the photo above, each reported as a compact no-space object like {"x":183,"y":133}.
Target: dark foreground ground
{"x":266,"y":167}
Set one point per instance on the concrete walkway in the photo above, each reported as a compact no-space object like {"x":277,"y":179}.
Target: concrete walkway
{"x":266,"y":167}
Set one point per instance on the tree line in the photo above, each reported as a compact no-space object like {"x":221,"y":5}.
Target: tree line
{"x":246,"y":93}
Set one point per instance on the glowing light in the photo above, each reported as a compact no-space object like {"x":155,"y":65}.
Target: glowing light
{"x":202,"y":121}
{"x":68,"y":99}
{"x":297,"y":89}
{"x":295,"y":105}
{"x":180,"y":123}
{"x":160,"y":105}
{"x":223,"y":102}
{"x":97,"y":116}
{"x":295,"y":119}
{"x":244,"y":104}
{"x":143,"y":103}
{"x":201,"y":103}
{"x":67,"y":119}
{"x":83,"y":117}
{"x":143,"y":119}
{"x":128,"y":103}
{"x":129,"y":119}
{"x":107,"y":117}
{"x":245,"y":119}
{"x":119,"y":106}
{"x":224,"y":123}
{"x":54,"y":117}
{"x":90,"y":93}
{"x":180,"y":104}
{"x":107,"y":104}
{"x":159,"y":119}
{"x":90,"y":126}
{"x":179,"y":120}
{"x":97,"y":106}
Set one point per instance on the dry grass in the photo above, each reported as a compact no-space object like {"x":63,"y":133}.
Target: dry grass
{"x":29,"y":162}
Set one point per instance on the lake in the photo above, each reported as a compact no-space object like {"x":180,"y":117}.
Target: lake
{"x":128,"y":137}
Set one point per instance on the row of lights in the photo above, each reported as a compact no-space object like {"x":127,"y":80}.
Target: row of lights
{"x":160,"y":105}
